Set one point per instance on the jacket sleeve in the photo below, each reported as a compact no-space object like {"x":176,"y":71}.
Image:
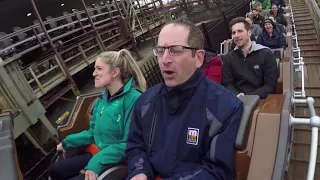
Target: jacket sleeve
{"x":115,"y":152}
{"x":258,"y":31}
{"x":270,"y":73}
{"x":215,"y":70}
{"x":227,"y":78}
{"x":282,"y":41}
{"x":84,"y":137}
{"x":219,"y":161}
{"x":260,"y":39}
{"x":138,"y":161}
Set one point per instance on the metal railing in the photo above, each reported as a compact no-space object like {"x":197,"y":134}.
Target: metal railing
{"x":297,"y":58}
{"x":314,"y":122}
{"x":299,"y":97}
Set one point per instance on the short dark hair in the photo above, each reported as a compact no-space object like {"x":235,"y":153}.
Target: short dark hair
{"x":239,"y":20}
{"x":195,"y":37}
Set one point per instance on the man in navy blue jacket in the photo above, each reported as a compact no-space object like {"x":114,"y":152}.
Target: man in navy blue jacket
{"x":184,"y":128}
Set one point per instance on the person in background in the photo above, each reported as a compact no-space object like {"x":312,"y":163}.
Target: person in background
{"x":279,"y":27}
{"x":271,"y":37}
{"x":212,"y":66}
{"x":251,"y":69}
{"x":255,"y":28}
{"x":265,"y":4}
{"x":257,"y":18}
{"x":117,"y":72}
{"x":258,"y":7}
{"x":277,"y":15}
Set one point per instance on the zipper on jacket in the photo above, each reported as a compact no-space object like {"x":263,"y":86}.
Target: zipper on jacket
{"x":153,"y":127}
{"x":102,"y":110}
{"x":245,"y":66}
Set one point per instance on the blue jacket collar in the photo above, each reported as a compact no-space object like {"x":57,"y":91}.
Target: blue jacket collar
{"x":189,"y":84}
{"x":177,"y":97}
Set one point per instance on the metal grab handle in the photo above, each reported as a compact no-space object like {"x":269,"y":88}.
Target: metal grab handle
{"x":313,"y":153}
{"x":314,"y":122}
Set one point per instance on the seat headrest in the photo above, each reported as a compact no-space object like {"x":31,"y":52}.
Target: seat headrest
{"x":250,"y":102}
{"x":279,"y":53}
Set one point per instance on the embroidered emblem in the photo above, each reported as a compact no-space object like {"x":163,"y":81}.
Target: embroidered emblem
{"x":256,"y":67}
{"x":116,"y":103}
{"x":193,"y":136}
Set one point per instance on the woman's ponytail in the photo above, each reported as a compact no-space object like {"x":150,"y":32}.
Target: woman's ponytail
{"x":133,"y":69}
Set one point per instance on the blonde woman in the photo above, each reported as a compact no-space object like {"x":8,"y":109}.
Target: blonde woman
{"x":118,"y":73}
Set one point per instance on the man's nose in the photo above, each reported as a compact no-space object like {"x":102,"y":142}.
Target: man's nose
{"x":166,"y":57}
{"x":235,"y":34}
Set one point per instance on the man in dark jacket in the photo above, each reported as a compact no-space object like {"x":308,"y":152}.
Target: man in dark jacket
{"x":251,"y":69}
{"x":257,"y":18}
{"x":184,"y":128}
{"x":277,"y":15}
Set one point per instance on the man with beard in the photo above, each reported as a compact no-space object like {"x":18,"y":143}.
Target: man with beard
{"x":251,"y":69}
{"x":257,"y":18}
{"x":277,"y":15}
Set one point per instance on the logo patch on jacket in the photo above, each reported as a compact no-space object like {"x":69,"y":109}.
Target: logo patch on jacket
{"x":256,"y":67}
{"x":193,"y":136}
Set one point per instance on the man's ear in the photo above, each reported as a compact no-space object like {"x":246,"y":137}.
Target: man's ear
{"x":199,"y":58}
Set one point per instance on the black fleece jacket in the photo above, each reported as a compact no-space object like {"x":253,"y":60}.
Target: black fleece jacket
{"x":255,"y":74}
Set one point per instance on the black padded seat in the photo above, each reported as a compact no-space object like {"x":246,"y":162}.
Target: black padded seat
{"x":279,"y":53}
{"x":250,"y":102}
{"x":21,"y":36}
{"x":68,"y":19}
{"x":52,"y":24}
{"x":6,"y":42}
{"x":38,"y":28}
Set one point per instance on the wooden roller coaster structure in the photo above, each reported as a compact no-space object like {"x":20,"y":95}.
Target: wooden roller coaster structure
{"x":37,"y":63}
{"x":264,"y":140}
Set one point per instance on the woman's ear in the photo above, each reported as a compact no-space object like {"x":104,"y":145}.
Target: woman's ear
{"x":115,"y":72}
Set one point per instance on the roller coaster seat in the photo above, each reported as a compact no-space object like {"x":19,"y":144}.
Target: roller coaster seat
{"x":243,"y":145}
{"x":250,"y":103}
{"x":86,"y":116}
{"x":80,"y":116}
{"x":80,"y":120}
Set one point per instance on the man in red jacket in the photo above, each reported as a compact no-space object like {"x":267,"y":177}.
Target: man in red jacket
{"x":212,"y":66}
